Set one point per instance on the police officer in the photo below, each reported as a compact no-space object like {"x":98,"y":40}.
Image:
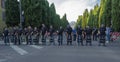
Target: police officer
{"x":29,"y":35}
{"x":14,"y":31}
{"x":6,"y":36}
{"x":36,"y":36}
{"x":17,"y":36}
{"x":102,"y":34}
{"x":74,"y":34}
{"x":43,"y":33}
{"x":95,"y":31}
{"x":69,"y":35}
{"x":60,"y":35}
{"x":88,"y":33}
{"x":79,"y":35}
{"x":23,"y":35}
{"x":51,"y":34}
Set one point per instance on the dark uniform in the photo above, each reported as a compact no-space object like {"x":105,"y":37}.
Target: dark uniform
{"x":88,"y":32}
{"x":29,"y":36}
{"x":17,"y":37}
{"x":51,"y":31}
{"x":69,"y":35}
{"x":43,"y":32}
{"x":25,"y":33}
{"x":60,"y":36}
{"x":74,"y":34}
{"x":6,"y":36}
{"x":14,"y":35}
{"x":95,"y":31}
{"x":36,"y":37}
{"x":79,"y":36}
{"x":102,"y":35}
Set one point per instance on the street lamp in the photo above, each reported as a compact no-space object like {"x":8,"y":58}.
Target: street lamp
{"x":20,"y":9}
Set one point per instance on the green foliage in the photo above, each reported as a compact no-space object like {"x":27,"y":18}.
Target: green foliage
{"x":91,"y":19}
{"x":96,"y":16}
{"x":116,"y":14}
{"x":2,"y":23}
{"x":107,"y":13}
{"x":79,"y":21}
{"x":12,"y":12}
{"x":85,"y":18}
{"x":64,"y":21}
{"x":36,"y":12}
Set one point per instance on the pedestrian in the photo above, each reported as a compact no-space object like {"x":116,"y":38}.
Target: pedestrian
{"x":43,"y":33}
{"x":18,"y":33}
{"x":69,"y":35}
{"x":51,"y":34}
{"x":60,"y":35}
{"x":6,"y":36}
{"x":102,"y":35}
{"x":111,"y":32}
{"x":79,"y":35}
{"x":23,"y":35}
{"x":108,"y":34}
{"x":29,"y":35}
{"x":74,"y":34}
{"x":36,"y":36}
{"x":88,"y":33}
{"x":95,"y":31}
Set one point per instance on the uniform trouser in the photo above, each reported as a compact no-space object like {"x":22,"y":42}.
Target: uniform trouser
{"x":102,"y":39}
{"x":43,"y":40}
{"x":52,"y":40}
{"x":79,"y":40}
{"x":74,"y":36}
{"x":95,"y":37}
{"x":12,"y":38}
{"x":69,"y":39}
{"x":60,"y":39}
{"x":88,"y":39}
{"x":17,"y":40}
{"x":36,"y":40}
{"x":6,"y":39}
{"x":29,"y":41}
{"x":22,"y":38}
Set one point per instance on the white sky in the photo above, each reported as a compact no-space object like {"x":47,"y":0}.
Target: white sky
{"x":73,"y":8}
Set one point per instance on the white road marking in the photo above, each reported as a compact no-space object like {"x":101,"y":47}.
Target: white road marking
{"x":37,"y":47}
{"x":19,"y":50}
{"x":2,"y":60}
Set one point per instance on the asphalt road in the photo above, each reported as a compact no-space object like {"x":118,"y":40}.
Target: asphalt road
{"x":74,"y":53}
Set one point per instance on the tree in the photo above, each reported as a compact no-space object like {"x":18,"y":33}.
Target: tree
{"x":64,"y":21}
{"x":2,"y":23}
{"x":85,"y":17}
{"x":91,"y":19}
{"x":96,"y":15}
{"x":79,"y":21}
{"x":52,"y":14}
{"x":102,"y":12}
{"x":12,"y":13}
{"x":116,"y":14}
{"x":36,"y":12}
{"x":107,"y":12}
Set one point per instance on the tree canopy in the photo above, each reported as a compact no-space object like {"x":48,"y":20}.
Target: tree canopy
{"x":106,"y":13}
{"x":36,"y":12}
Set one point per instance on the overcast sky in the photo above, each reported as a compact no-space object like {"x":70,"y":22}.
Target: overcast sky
{"x":73,"y":8}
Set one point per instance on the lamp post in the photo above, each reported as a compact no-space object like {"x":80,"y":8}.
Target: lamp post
{"x":20,"y":9}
